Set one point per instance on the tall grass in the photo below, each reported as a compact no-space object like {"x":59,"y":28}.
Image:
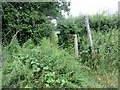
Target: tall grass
{"x":105,"y":59}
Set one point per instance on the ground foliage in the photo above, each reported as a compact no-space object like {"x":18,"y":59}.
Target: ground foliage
{"x":47,"y":66}
{"x":41,"y":66}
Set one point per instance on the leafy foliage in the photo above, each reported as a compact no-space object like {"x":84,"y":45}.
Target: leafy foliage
{"x":104,"y":23}
{"x":32,"y":58}
{"x":31,"y":19}
{"x":76,"y":25}
{"x":42,"y":66}
{"x":46,"y":66}
{"x":98,"y":24}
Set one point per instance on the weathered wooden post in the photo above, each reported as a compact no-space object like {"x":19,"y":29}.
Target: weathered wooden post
{"x":89,"y":33}
{"x":95,"y":56}
{"x":76,"y":44}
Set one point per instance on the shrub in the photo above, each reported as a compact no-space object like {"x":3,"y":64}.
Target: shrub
{"x":40,"y":66}
{"x":101,"y":28}
{"x":76,"y":25}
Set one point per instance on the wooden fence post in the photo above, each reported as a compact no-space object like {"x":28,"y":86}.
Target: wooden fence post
{"x":76,"y":44}
{"x":89,"y":33}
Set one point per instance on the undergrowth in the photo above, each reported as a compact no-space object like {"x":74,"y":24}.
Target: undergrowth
{"x":47,"y":66}
{"x":41,"y":66}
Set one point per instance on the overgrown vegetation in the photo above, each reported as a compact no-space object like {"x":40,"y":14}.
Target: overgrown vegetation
{"x":31,"y":19}
{"x":41,"y":66}
{"x":43,"y":60}
{"x":47,"y":66}
{"x":76,"y":25}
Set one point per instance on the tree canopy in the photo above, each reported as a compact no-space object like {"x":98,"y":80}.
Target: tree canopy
{"x":30,"y":19}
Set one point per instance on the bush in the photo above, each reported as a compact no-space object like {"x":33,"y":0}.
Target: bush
{"x":76,"y":25}
{"x":101,"y":28}
{"x":41,"y":66}
{"x":31,"y":19}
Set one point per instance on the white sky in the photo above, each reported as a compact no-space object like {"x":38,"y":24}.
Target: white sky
{"x":91,"y":7}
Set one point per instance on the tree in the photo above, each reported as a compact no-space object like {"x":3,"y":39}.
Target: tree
{"x":31,"y":19}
